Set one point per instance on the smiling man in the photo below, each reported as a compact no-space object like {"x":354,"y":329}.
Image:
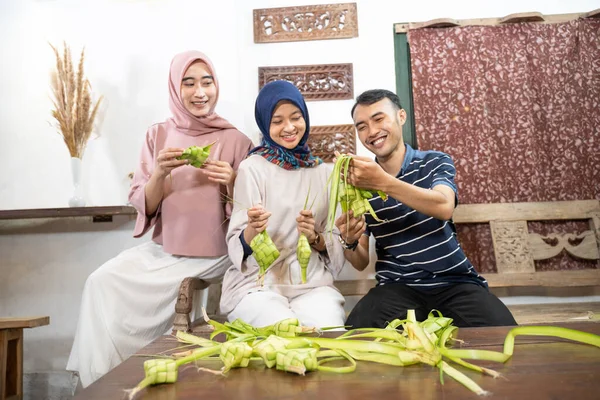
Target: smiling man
{"x":420,"y":264}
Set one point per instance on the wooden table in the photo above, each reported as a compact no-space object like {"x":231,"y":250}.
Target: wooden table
{"x":11,"y":354}
{"x":541,"y":368}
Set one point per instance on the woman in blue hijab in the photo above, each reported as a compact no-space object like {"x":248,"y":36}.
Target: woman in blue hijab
{"x":271,"y":190}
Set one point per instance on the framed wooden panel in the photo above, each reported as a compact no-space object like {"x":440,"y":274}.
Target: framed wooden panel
{"x":326,"y":139}
{"x":315,"y":82}
{"x":288,"y":24}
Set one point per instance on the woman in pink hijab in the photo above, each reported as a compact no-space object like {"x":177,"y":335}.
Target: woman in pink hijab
{"x":130,"y":300}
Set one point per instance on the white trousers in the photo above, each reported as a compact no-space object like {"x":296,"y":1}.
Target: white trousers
{"x":130,"y":301}
{"x":321,"y":307}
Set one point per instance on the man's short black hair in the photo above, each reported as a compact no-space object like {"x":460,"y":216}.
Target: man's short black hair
{"x":373,"y":96}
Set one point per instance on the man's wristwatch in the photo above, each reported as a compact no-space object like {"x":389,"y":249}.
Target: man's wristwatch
{"x":348,"y":246}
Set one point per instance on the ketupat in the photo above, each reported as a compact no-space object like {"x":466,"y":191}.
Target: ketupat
{"x":289,"y":327}
{"x":355,"y":199}
{"x":165,"y":370}
{"x":349,"y":197}
{"x":267,"y":349}
{"x":297,"y":361}
{"x":234,"y":355}
{"x":418,"y":342}
{"x":264,"y":250}
{"x":197,"y":155}
{"x":161,"y":370}
{"x":303,"y":251}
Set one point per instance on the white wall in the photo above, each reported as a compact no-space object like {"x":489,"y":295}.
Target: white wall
{"x":129,"y":45}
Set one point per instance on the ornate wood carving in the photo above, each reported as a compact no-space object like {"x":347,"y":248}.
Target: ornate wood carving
{"x":582,"y":246}
{"x":531,"y":17}
{"x":326,"y":139}
{"x":185,"y":302}
{"x":593,"y":14}
{"x":288,"y":24}
{"x":511,"y":246}
{"x":316,"y":82}
{"x":522,"y":17}
{"x":595,"y":227}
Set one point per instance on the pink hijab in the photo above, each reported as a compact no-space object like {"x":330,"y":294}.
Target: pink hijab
{"x":183,"y":119}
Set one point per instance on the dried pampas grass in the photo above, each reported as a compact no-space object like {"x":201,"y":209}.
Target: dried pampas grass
{"x":72,"y":99}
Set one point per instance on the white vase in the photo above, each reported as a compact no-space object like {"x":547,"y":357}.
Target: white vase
{"x":77,"y":199}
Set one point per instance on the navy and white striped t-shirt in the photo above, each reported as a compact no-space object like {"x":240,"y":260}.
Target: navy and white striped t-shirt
{"x":413,"y":248}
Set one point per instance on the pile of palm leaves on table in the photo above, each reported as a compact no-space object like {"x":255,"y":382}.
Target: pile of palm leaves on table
{"x":293,"y":348}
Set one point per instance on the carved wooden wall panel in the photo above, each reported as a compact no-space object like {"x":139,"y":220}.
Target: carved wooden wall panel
{"x":511,"y":246}
{"x":583,"y":246}
{"x":288,"y":24}
{"x":316,"y":82}
{"x":326,"y":139}
{"x":595,"y":227}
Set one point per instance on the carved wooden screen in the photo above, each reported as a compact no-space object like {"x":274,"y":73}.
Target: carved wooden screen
{"x":326,"y":139}
{"x":315,"y":82}
{"x":324,"y":21}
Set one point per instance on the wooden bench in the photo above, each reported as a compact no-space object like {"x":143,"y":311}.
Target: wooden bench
{"x":11,"y":354}
{"x":515,"y":249}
